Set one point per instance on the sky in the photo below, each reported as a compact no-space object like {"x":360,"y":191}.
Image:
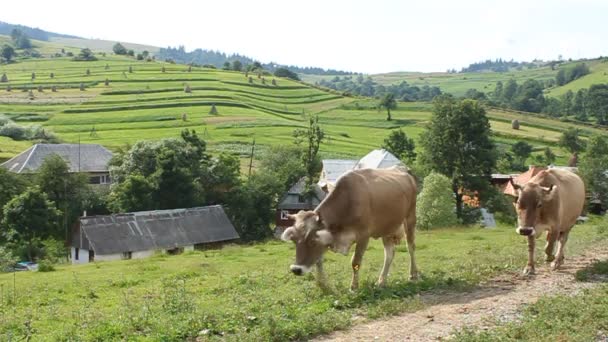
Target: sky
{"x":363,"y":36}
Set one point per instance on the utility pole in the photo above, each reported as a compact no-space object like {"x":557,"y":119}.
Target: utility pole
{"x":251,"y":159}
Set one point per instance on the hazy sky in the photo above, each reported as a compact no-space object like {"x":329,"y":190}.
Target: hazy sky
{"x":364,"y":36}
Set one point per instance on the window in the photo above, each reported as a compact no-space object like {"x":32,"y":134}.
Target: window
{"x":104,"y":179}
{"x":301,"y":199}
{"x":127,"y":255}
{"x":76,"y":253}
{"x":284,"y":214}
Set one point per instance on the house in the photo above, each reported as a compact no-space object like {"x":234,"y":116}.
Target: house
{"x":334,"y":168}
{"x":294,"y":200}
{"x":91,"y":159}
{"x":140,"y":234}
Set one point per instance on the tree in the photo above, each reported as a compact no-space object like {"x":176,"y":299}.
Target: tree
{"x":133,"y":194}
{"x":284,"y":162}
{"x":521,"y":150}
{"x":284,"y":72}
{"x":222,"y":178}
{"x":28,"y":218}
{"x":435,"y":206}
{"x":68,"y":191}
{"x":579,"y":105}
{"x":549,"y":156}
{"x":310,"y":140}
{"x":597,"y":100}
{"x":560,"y":77}
{"x":571,"y":141}
{"x":11,"y":185}
{"x":20,"y":39}
{"x":226,"y":66}
{"x":401,"y":146}
{"x":388,"y":102}
{"x":594,"y":168}
{"x":509,"y":91}
{"x":119,"y":49}
{"x":86,"y":55}
{"x":237,"y":65}
{"x":131,"y":53}
{"x":457,"y":144}
{"x":7,"y":52}
{"x":145,"y":53}
{"x":256,"y":65}
{"x":529,"y":97}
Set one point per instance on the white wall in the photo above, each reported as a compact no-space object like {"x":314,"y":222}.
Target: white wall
{"x":108,"y":257}
{"x":142,"y":254}
{"x":83,"y":256}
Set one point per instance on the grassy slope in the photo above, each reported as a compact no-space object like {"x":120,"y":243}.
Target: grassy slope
{"x":458,"y":84}
{"x":102,"y":45}
{"x":247,"y":292}
{"x":148,"y":104}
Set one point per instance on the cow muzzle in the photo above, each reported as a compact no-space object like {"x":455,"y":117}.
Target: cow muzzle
{"x":526,"y":231}
{"x":299,"y":269}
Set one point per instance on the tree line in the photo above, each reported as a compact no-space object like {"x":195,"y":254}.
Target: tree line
{"x":218,"y":59}
{"x":366,"y":86}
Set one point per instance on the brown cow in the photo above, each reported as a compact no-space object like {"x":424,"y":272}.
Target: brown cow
{"x":364,"y":203}
{"x":551,"y":201}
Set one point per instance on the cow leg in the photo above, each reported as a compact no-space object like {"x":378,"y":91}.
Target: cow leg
{"x":559,"y":258}
{"x":529,"y":270}
{"x":321,"y":278}
{"x":550,"y":246}
{"x":389,"y":254}
{"x":356,"y":262}
{"x":410,"y":235}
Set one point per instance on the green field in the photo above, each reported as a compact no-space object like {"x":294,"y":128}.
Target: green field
{"x":457,"y":84}
{"x":247,"y":293}
{"x":149,"y":104}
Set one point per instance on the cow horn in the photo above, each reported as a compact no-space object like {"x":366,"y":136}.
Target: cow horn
{"x":515,"y":185}
{"x":547,"y":189}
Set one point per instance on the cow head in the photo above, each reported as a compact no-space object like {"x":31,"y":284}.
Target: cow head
{"x":530,"y":200}
{"x":311,"y":239}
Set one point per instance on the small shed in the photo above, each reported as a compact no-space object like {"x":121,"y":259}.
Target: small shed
{"x":140,"y":234}
{"x":294,"y":200}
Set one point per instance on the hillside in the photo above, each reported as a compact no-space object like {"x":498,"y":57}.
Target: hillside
{"x":458,"y":83}
{"x":148,"y":103}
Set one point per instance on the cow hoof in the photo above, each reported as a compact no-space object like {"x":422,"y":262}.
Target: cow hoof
{"x":549,"y":258}
{"x":528,"y":271}
{"x":555,"y":266}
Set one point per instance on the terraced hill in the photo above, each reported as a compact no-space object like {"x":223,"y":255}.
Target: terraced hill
{"x":141,"y":101}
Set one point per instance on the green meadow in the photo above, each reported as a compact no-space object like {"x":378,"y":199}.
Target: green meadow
{"x":247,"y":292}
{"x":141,"y":102}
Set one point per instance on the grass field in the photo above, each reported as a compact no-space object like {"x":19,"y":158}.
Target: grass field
{"x":247,"y":293}
{"x":150,"y":104}
{"x":457,"y":84}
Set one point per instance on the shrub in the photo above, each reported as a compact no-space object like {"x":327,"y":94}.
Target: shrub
{"x":7,"y":259}
{"x":45,"y":266}
{"x":54,"y":251}
{"x":435,"y":205}
{"x":13,"y":131}
{"x":4,"y":78}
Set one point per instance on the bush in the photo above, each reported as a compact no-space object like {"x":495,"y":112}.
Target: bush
{"x":45,"y":266}
{"x":7,"y":259}
{"x":501,"y":206}
{"x":435,"y":205}
{"x":54,"y":251}
{"x":13,"y":131}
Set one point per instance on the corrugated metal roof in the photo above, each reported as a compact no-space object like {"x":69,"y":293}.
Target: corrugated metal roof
{"x":378,"y":159}
{"x":334,"y":168}
{"x":293,"y":198}
{"x":79,"y":157}
{"x":152,"y":230}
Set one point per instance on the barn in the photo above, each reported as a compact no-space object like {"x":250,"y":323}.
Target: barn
{"x":141,"y":234}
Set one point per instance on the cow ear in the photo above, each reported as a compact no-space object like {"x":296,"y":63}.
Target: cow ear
{"x":289,"y":234}
{"x":325,"y":237}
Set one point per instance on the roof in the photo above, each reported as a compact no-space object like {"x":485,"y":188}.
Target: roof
{"x":152,"y":230}
{"x":334,"y":168}
{"x":566,"y":168}
{"x":523,"y":179}
{"x":292,"y":198}
{"x":378,"y":159}
{"x":79,"y":157}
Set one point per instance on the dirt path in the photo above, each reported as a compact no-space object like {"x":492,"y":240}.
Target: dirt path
{"x":500,"y":299}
